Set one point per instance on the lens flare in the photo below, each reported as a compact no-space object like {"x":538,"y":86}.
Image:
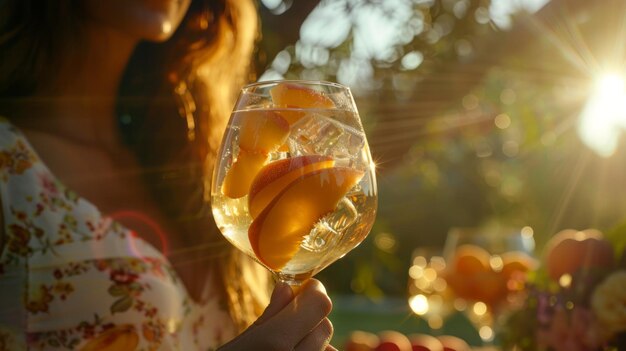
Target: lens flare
{"x":604,"y":116}
{"x":148,"y":223}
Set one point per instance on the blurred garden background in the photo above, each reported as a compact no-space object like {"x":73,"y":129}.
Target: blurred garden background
{"x":482,"y":114}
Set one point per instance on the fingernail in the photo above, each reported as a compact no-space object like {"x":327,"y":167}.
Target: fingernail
{"x":320,"y":286}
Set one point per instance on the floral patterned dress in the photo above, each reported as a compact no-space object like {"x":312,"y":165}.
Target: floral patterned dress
{"x":71,"y":278}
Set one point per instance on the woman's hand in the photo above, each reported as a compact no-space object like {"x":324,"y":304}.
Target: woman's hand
{"x":290,"y":323}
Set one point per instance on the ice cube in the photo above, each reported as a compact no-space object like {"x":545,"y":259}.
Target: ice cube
{"x":329,"y":229}
{"x":315,"y":134}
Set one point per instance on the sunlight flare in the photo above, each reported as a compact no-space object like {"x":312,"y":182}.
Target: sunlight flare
{"x":603,"y":118}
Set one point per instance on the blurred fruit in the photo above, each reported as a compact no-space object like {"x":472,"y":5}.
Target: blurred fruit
{"x":460,"y":284}
{"x":453,"y":343}
{"x":275,"y":176}
{"x":240,"y":175}
{"x":515,"y":265}
{"x":289,"y":95}
{"x":276,"y":233}
{"x":489,"y":287}
{"x":119,"y":338}
{"x":570,"y":250}
{"x":470,"y":259}
{"x":361,"y":341}
{"x":261,"y":131}
{"x":391,"y":340}
{"x":468,"y":262}
{"x":425,"y":342}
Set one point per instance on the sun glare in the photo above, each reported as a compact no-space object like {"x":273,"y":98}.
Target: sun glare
{"x":604,"y":117}
{"x":611,"y":83}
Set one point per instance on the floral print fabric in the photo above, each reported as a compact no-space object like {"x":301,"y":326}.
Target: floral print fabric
{"x":72,"y":278}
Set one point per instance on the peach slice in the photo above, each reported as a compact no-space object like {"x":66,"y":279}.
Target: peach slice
{"x":287,"y":95}
{"x":240,"y":175}
{"x":262,"y":131}
{"x":275,"y":235}
{"x":275,"y":176}
{"x":122,"y":337}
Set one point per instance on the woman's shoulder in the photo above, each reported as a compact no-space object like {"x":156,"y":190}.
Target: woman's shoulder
{"x":10,"y":135}
{"x":6,"y":127}
{"x":16,"y":155}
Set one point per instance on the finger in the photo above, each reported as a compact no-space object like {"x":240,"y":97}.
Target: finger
{"x":303,"y":313}
{"x":281,"y":297}
{"x":318,"y":339}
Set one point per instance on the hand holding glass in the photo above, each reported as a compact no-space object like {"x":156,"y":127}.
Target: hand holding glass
{"x":294,"y":185}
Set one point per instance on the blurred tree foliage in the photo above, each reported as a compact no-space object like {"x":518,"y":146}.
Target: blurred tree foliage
{"x":472,"y":118}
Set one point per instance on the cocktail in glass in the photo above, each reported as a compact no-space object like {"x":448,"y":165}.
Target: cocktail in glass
{"x":294,"y":185}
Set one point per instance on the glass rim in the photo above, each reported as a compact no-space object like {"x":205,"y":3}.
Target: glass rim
{"x":297,"y":81}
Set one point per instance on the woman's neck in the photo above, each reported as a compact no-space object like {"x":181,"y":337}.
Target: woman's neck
{"x":79,"y":104}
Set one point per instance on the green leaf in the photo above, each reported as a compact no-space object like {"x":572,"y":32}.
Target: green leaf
{"x":617,"y":236}
{"x":122,"y":305}
{"x":134,"y":286}
{"x":72,"y":196}
{"x":118,"y":290}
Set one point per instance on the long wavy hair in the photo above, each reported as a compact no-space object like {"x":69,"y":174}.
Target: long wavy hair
{"x":173,"y":105}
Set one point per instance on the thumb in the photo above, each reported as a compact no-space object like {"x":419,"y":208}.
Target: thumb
{"x":281,"y":297}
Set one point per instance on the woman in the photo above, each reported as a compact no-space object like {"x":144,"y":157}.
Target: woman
{"x":113,"y":113}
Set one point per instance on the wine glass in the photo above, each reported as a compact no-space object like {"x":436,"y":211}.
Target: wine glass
{"x":294,"y":184}
{"x":487,"y":271}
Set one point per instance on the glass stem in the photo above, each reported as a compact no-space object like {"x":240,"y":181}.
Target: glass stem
{"x":295,"y":281}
